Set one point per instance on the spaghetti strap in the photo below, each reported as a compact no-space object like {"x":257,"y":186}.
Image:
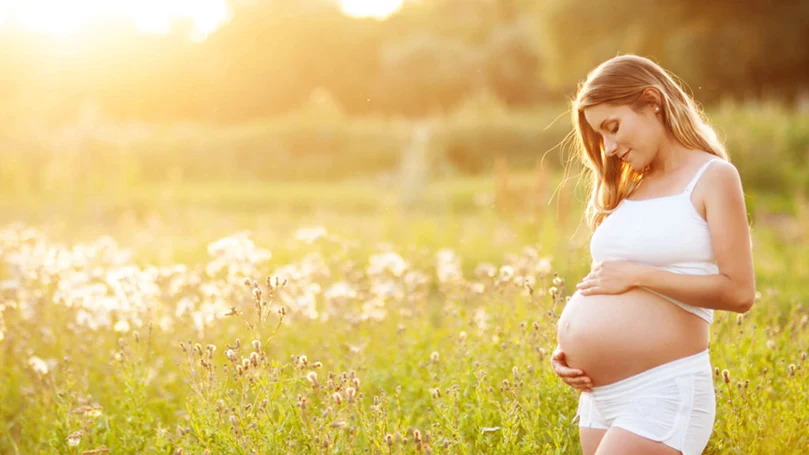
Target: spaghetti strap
{"x":694,"y":181}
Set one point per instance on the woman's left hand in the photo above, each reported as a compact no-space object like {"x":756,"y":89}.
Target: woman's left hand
{"x":610,"y":277}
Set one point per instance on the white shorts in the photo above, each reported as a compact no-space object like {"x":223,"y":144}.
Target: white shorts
{"x":673,"y":403}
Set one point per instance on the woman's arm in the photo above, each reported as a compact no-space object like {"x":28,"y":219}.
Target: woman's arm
{"x":732,"y":289}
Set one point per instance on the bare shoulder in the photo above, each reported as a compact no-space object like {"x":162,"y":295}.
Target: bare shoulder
{"x":722,"y":191}
{"x":719,"y":186}
{"x":722,"y":176}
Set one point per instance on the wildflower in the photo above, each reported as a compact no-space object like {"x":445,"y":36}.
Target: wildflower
{"x":506,"y":272}
{"x":389,"y":439}
{"x":771,"y":344}
{"x":337,"y":397}
{"x":417,"y":436}
{"x":791,"y":369}
{"x":317,"y":365}
{"x":256,"y":345}
{"x":716,"y":371}
{"x":739,"y":319}
{"x":726,"y":376}
{"x":557,"y":281}
{"x":88,"y":411}
{"x":254,"y":359}
{"x":74,"y":438}
{"x":351,"y":392}
{"x":121,"y":326}
{"x":436,"y":393}
{"x":434,"y":357}
{"x":516,"y":374}
{"x":356,"y":383}
{"x":544,"y":266}
{"x":312,"y":378}
{"x":505,"y":385}
{"x":38,"y":365}
{"x":233,"y":420}
{"x":231,"y":355}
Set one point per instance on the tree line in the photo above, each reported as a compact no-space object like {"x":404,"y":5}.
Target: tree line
{"x":427,"y":58}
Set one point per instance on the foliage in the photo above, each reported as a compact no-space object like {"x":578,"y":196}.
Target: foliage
{"x":392,"y":335}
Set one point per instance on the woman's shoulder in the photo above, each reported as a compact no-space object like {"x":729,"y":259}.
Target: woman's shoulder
{"x":721,"y":178}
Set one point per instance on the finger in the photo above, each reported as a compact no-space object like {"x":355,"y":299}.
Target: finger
{"x":582,"y":381}
{"x":592,"y":290}
{"x":587,"y":284}
{"x":579,"y":384}
{"x":569,"y":372}
{"x":564,"y":371}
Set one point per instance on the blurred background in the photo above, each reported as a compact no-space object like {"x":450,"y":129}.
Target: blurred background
{"x":117,"y":108}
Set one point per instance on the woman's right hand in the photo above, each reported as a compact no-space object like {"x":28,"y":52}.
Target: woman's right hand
{"x":571,"y":376}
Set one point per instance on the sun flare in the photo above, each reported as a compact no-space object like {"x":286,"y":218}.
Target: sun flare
{"x":61,"y":17}
{"x":370,"y":8}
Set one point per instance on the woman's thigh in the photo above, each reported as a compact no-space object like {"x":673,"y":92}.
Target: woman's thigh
{"x":590,"y":439}
{"x":618,"y":441}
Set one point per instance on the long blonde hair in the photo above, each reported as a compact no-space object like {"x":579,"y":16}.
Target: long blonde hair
{"x":621,"y":81}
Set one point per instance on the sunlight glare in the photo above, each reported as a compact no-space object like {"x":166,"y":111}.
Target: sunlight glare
{"x":59,"y":17}
{"x":379,"y":9}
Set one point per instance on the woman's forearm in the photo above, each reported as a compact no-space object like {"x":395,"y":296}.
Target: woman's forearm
{"x":717,"y":291}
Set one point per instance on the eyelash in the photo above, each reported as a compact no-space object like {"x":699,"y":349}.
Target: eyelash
{"x":614,"y":131}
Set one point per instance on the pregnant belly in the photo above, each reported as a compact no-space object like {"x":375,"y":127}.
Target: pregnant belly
{"x":613,"y":337}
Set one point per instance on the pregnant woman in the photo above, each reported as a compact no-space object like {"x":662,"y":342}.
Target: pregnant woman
{"x":671,"y":244}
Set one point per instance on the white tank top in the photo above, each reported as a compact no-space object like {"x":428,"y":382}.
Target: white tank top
{"x":663,"y":232}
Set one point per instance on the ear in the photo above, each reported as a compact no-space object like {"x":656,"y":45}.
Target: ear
{"x":652,"y":98}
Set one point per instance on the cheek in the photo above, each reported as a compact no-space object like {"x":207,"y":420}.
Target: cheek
{"x":645,"y":137}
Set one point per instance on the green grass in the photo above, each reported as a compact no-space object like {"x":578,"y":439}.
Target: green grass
{"x":444,"y":349}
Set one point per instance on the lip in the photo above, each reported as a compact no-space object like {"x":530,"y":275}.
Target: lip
{"x":623,"y":157}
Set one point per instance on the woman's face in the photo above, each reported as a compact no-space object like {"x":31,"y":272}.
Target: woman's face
{"x":631,"y":136}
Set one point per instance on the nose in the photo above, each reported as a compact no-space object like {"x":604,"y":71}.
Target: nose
{"x":610,"y":146}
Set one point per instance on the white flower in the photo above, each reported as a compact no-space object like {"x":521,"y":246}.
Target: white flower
{"x":311,"y":234}
{"x":121,"y":326}
{"x":544,"y":266}
{"x":38,"y":365}
{"x":389,"y":261}
{"x":74,"y":439}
